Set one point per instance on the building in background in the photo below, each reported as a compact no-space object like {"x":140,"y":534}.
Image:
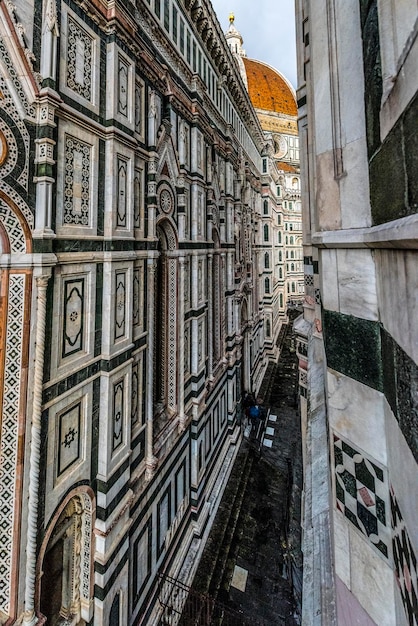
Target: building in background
{"x":133,"y":238}
{"x":280,"y":261}
{"x":358,"y":346}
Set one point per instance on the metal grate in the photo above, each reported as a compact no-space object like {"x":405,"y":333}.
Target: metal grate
{"x":183,"y":606}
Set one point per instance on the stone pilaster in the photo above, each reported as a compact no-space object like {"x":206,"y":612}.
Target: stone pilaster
{"x":182,"y":416}
{"x":150,"y":459}
{"x":29,"y":616}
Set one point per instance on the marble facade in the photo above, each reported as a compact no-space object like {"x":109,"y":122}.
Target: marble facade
{"x":131,"y":312}
{"x":357,"y":343}
{"x":280,"y":259}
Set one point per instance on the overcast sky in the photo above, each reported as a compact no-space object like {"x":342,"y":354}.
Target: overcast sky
{"x":267,"y":28}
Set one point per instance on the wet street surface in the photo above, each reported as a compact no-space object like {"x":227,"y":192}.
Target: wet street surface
{"x":252,"y":562}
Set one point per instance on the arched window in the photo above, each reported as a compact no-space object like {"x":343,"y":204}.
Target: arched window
{"x":281,"y":300}
{"x":265,"y":207}
{"x":280,"y":255}
{"x":279,"y":219}
{"x":266,"y":260}
{"x":280,"y":272}
{"x":279,"y":237}
{"x":292,"y":267}
{"x":292,"y":240}
{"x":287,"y":240}
{"x":266,"y":232}
{"x":292,"y":254}
{"x":295,"y":183}
{"x":268,"y":328}
{"x":293,"y":287}
{"x":267,"y":285}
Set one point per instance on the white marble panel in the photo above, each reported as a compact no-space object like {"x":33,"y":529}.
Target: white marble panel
{"x":355,"y":204}
{"x":398,"y":285}
{"x":329,"y":280}
{"x":57,"y":485}
{"x":357,"y":283}
{"x":268,"y":443}
{"x":269,"y":431}
{"x":64,"y":161}
{"x":372,"y":581}
{"x":109,"y":458}
{"x":351,"y":84}
{"x":342,"y":548}
{"x":356,"y":413}
{"x":92,"y":69}
{"x":239,"y":578}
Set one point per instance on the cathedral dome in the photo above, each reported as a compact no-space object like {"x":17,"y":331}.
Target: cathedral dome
{"x":268,"y":89}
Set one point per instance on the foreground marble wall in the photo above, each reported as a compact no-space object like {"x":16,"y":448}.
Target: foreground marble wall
{"x":360,"y":247}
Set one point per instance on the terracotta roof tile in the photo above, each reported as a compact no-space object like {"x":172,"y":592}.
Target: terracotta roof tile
{"x":267,"y":89}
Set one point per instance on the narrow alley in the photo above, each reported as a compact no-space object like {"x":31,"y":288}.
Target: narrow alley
{"x":252,"y":562}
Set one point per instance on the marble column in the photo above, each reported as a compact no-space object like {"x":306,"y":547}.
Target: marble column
{"x":29,"y":616}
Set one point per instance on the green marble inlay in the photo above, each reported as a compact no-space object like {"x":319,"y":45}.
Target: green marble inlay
{"x":380,"y":510}
{"x":350,"y":483}
{"x":353,"y":347}
{"x":348,"y":449}
{"x":364,"y":476}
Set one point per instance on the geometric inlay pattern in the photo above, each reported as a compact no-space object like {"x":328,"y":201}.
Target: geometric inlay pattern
{"x":172,"y":333}
{"x":166,"y":201}
{"x":121,"y":192}
{"x":136,"y":296}
{"x":9,"y":430}
{"x":118,"y":409}
{"x":73,"y":326}
{"x":86,"y":548}
{"x":13,"y":75}
{"x":405,"y":562}
{"x":79,"y":60}
{"x":69,"y":423}
{"x":123,"y":73}
{"x":12,"y":227}
{"x":138,"y":107}
{"x":9,"y":153}
{"x":77,"y":181}
{"x":137,"y":199}
{"x":120,"y":304}
{"x":362,"y":494}
{"x":134,"y":394}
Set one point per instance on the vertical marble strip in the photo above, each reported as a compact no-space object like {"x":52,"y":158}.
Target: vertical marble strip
{"x":181,"y":344}
{"x":150,"y":460}
{"x":210,"y":318}
{"x":29,"y":616}
{"x":9,"y":429}
{"x":172,"y":335}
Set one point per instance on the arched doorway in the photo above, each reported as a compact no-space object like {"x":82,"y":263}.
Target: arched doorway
{"x":65,"y":579}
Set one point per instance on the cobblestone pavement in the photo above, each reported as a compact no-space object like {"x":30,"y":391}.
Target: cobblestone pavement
{"x":253,"y":551}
